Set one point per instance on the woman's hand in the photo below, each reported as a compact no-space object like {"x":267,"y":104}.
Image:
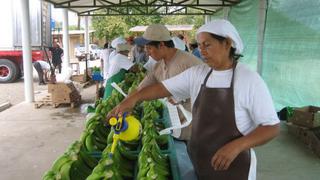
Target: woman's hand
{"x":225,"y":156}
{"x":125,"y":106}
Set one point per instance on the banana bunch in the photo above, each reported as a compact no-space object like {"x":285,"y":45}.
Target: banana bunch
{"x":152,"y":164}
{"x":119,"y":166}
{"x":74,"y":164}
{"x":94,"y":137}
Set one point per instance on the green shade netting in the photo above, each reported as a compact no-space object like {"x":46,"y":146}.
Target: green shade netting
{"x":291,"y":49}
{"x":291,"y":54}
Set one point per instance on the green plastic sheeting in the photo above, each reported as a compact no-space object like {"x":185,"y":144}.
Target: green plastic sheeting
{"x":244,"y":17}
{"x":291,"y":62}
{"x":291,"y":48}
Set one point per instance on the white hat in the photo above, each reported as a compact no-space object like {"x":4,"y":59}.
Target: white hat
{"x":224,"y":28}
{"x":178,"y":43}
{"x":118,"y":40}
{"x":157,"y":32}
{"x":123,"y":47}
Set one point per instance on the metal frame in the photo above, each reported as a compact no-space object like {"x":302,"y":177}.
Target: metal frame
{"x":144,"y":7}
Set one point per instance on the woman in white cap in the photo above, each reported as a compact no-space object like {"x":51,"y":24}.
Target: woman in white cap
{"x":119,"y":65}
{"x":232,"y":109}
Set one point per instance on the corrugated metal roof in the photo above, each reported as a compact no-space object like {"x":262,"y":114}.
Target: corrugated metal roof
{"x":72,"y":32}
{"x":170,"y":28}
{"x":143,"y":7}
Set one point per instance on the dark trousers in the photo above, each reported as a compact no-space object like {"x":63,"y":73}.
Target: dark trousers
{"x":55,"y":66}
{"x":39,"y":69}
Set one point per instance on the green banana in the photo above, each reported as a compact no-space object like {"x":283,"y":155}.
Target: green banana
{"x":91,"y":162}
{"x":90,"y":144}
{"x":95,"y":176}
{"x":158,"y":157}
{"x":142,"y":172}
{"x":79,"y":169}
{"x":49,"y":175}
{"x":65,"y":170}
{"x":103,"y":130}
{"x":100,"y":146}
{"x":92,"y":126}
{"x":58,"y":163}
{"x":125,"y":152}
{"x":100,"y":137}
{"x":99,"y":108}
{"x":94,"y":118}
{"x":124,"y":163}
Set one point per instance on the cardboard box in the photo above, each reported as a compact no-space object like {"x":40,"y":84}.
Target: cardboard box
{"x":310,"y":137}
{"x":299,"y":132}
{"x":64,"y":93}
{"x":314,"y":142}
{"x":308,"y":116}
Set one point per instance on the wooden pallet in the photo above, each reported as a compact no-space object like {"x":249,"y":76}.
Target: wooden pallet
{"x":47,"y":100}
{"x":44,"y":101}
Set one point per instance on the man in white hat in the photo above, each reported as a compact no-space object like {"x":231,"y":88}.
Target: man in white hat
{"x":120,"y":60}
{"x":170,"y":62}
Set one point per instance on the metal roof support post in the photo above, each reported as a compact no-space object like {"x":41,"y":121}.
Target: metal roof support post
{"x":207,"y":18}
{"x":226,"y":11}
{"x":86,"y":34}
{"x":27,"y":57}
{"x":65,"y":39}
{"x":261,"y":31}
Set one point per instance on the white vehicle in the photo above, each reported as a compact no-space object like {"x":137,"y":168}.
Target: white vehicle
{"x":94,"y":51}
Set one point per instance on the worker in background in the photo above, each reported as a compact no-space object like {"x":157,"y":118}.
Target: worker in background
{"x":105,"y":59}
{"x":170,"y":62}
{"x":193,"y":45}
{"x":42,"y":69}
{"x":56,"y":54}
{"x":180,"y":36}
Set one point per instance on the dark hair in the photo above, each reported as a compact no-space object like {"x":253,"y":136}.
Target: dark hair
{"x":232,"y":53}
{"x":180,"y":36}
{"x":106,"y":45}
{"x":168,"y":44}
{"x":193,"y":46}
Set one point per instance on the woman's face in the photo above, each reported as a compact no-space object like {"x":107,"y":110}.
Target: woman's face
{"x":214,"y":52}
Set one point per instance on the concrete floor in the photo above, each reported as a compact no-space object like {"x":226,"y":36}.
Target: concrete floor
{"x":31,"y":139}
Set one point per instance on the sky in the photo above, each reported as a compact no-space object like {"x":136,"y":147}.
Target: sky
{"x":56,"y":14}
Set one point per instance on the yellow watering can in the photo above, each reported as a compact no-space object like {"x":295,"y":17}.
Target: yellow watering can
{"x":126,"y":128}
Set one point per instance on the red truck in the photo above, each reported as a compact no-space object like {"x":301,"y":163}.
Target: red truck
{"x":11,"y":60}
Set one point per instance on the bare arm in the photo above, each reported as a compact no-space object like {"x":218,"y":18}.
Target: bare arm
{"x":226,"y":154}
{"x":151,"y":92}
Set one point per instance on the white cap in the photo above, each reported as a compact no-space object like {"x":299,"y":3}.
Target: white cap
{"x":118,"y":40}
{"x":225,"y":29}
{"x":178,"y":43}
{"x":123,"y":47}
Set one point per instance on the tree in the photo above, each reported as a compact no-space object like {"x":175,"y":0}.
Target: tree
{"x":110,"y":27}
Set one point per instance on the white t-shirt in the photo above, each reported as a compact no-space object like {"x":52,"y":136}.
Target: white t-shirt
{"x":252,"y":100}
{"x":117,"y":63}
{"x":150,"y":64}
{"x":112,"y":54}
{"x":106,"y":63}
{"x":44,"y":65}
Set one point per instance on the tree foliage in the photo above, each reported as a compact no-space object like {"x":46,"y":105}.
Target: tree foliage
{"x":109,"y":27}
